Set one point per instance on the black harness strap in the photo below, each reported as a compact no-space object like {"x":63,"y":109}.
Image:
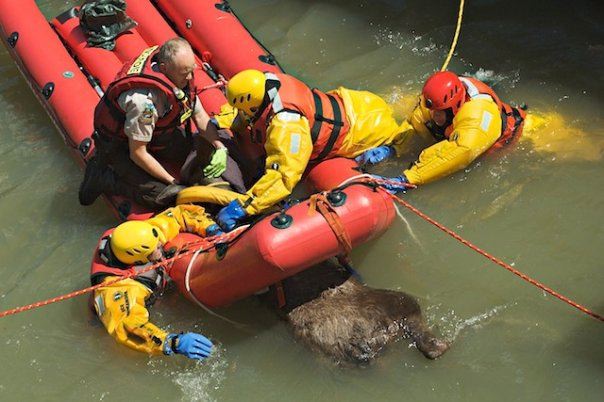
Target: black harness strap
{"x":106,"y":255}
{"x":266,"y":101}
{"x":335,"y":131}
{"x":316,"y":127}
{"x":517,"y":122}
{"x":504,"y":123}
{"x":337,"y":123}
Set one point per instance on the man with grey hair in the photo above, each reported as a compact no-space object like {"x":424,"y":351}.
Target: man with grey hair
{"x":138,"y":122}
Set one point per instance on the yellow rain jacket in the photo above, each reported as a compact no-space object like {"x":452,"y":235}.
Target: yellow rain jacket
{"x":289,"y":146}
{"x":121,"y":306}
{"x":475,"y":128}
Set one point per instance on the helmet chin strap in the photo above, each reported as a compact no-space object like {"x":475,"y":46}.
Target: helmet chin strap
{"x":450,"y":117}
{"x":271,"y":95}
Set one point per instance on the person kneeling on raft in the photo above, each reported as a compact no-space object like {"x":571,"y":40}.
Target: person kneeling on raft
{"x":464,"y":116}
{"x":138,"y":122}
{"x":122,"y":306}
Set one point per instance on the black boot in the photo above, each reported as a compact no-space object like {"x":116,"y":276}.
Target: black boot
{"x":97,"y":180}
{"x":167,"y":197}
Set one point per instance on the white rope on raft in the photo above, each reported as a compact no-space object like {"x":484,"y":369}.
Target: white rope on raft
{"x":197,"y":301}
{"x":396,"y":208}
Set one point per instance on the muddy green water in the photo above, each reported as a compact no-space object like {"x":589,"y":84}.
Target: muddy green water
{"x":538,"y":207}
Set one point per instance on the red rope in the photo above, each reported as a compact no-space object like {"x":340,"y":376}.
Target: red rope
{"x":205,"y":242}
{"x":495,"y":259}
{"x":219,"y":84}
{"x":223,"y":238}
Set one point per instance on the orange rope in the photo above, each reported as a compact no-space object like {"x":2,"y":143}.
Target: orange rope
{"x":342,"y":238}
{"x":495,"y":259}
{"x":205,"y":242}
{"x":219,"y":84}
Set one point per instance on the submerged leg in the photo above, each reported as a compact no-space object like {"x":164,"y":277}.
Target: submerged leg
{"x":426,"y":342}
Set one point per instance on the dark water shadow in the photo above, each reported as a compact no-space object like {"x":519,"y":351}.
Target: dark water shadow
{"x":236,"y":323}
{"x":549,"y":42}
{"x":585,"y":344}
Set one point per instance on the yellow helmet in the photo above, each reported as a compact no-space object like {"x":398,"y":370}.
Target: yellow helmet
{"x":133,"y":241}
{"x":245,"y":91}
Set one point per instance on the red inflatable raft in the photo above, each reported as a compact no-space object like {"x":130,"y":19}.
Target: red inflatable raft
{"x":69,"y":77}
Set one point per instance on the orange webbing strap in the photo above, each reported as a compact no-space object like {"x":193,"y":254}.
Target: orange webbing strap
{"x":318,"y":202}
{"x":280,"y":294}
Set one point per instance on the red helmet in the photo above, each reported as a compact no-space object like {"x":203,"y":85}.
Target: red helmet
{"x":444,"y":90}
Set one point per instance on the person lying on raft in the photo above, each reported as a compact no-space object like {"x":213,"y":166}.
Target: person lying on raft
{"x":122,"y":306}
{"x":466,"y":119}
{"x":139,"y":120}
{"x":299,"y":126}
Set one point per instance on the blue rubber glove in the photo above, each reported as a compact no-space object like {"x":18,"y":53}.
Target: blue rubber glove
{"x":395,"y":184}
{"x":230,"y":215}
{"x":375,"y":155}
{"x":213,"y":230}
{"x":191,"y":345}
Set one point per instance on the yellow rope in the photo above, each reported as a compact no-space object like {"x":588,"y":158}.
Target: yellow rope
{"x":459,"y":17}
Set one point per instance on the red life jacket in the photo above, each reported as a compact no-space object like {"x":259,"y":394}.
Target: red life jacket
{"x":139,"y":73}
{"x":105,"y":264}
{"x":512,"y":118}
{"x":325,"y":113}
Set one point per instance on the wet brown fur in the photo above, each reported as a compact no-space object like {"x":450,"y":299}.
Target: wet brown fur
{"x":349,"y":322}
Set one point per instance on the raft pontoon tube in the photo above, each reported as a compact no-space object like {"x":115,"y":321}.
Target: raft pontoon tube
{"x":69,"y":77}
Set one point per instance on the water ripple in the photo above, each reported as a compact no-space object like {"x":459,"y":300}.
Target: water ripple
{"x":451,"y":325}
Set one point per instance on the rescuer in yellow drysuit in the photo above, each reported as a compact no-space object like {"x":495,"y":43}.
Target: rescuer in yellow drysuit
{"x":464,"y":116}
{"x":122,"y":306}
{"x":298,"y":126}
